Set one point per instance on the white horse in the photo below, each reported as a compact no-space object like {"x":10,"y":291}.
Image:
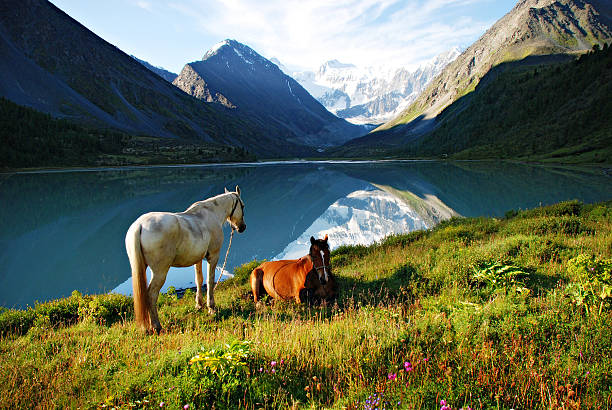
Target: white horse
{"x":162,"y":239}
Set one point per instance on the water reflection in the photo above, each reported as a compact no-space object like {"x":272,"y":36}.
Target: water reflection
{"x":65,"y":231}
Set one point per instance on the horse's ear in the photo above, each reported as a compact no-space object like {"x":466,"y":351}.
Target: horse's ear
{"x":226,"y":191}
{"x":325,"y":239}
{"x":238,"y":190}
{"x":312,"y":240}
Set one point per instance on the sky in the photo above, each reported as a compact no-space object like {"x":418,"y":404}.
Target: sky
{"x":302,"y":34}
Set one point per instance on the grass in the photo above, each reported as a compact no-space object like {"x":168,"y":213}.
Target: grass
{"x":477,"y":312}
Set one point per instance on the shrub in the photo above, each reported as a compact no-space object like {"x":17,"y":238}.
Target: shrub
{"x":501,"y":276}
{"x":594,"y":286}
{"x":221,"y":373}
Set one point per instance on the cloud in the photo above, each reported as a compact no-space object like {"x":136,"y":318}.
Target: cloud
{"x":145,"y":5}
{"x":363,"y":32}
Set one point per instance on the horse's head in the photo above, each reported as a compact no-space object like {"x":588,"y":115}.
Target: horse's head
{"x":236,"y":216}
{"x":319,"y":253}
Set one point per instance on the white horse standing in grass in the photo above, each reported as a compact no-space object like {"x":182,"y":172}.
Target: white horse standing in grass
{"x":163,"y":239}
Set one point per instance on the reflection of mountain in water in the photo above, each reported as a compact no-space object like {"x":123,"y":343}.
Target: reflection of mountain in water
{"x":362,"y":217}
{"x":367,"y":216}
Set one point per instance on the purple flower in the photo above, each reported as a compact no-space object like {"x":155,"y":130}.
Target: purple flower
{"x":273,"y":370}
{"x":162,"y":404}
{"x":407,"y":366}
{"x":392,"y":376}
{"x":186,"y":406}
{"x":442,"y":402}
{"x":260,"y":369}
{"x":272,"y":363}
{"x":281,"y":362}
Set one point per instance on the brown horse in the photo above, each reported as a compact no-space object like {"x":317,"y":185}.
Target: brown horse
{"x":301,"y":279}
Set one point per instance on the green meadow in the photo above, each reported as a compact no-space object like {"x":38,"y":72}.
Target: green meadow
{"x":475,"y":313}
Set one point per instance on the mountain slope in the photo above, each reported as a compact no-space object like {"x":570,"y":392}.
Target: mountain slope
{"x":561,"y":112}
{"x":370,"y":95}
{"x":558,"y":112}
{"x":52,"y":63}
{"x":253,"y":87}
{"x":162,"y":72}
{"x":532,"y":27}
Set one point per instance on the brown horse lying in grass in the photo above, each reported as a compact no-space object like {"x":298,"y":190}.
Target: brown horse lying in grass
{"x":306,"y":279}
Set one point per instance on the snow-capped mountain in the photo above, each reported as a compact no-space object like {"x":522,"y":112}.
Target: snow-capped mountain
{"x":369,"y":94}
{"x":256,"y":90}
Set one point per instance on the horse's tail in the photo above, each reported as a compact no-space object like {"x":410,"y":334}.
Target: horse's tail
{"x":139,"y":276}
{"x":257,"y":283}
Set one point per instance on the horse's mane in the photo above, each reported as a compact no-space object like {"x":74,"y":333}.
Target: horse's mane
{"x":204,"y":203}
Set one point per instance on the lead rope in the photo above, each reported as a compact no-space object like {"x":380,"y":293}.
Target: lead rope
{"x":225,"y":261}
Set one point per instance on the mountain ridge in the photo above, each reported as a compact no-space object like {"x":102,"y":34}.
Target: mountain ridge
{"x":366,"y":95}
{"x":532,"y":27}
{"x":237,"y":77}
{"x":54,"y":64}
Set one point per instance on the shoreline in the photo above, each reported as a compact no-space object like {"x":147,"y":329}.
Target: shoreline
{"x":606,"y":168}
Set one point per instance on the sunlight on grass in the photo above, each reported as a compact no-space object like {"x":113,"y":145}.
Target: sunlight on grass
{"x":475,"y":313}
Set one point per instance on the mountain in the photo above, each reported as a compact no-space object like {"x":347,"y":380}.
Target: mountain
{"x":238,"y":78}
{"x":531,"y":28}
{"x":556,"y":112}
{"x":162,"y":72}
{"x":371,"y":94}
{"x":50,"y":62}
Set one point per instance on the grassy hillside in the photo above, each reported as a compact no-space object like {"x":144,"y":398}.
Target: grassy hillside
{"x":475,"y":313}
{"x":29,"y":138}
{"x":560,"y":111}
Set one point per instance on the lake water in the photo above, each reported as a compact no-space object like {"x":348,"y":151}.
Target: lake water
{"x":62,"y":231}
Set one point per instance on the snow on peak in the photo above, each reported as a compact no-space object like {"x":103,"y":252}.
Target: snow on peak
{"x":215,"y":49}
{"x":337,"y":64}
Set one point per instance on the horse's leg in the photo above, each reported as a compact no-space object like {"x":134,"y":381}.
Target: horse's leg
{"x":199,"y":278}
{"x":210,"y":282}
{"x":158,"y":277}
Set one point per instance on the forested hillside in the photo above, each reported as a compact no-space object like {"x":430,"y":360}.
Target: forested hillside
{"x":547,"y":112}
{"x":29,"y":138}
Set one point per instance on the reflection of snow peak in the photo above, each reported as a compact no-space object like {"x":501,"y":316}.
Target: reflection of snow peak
{"x":180,"y":278}
{"x":362,"y":217}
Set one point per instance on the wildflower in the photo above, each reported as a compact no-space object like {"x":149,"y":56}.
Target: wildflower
{"x":162,"y":404}
{"x":272,"y":363}
{"x":442,"y":402}
{"x":273,"y":370}
{"x":260,"y":369}
{"x":281,"y":362}
{"x":407,"y":366}
{"x":186,"y":406}
{"x":392,"y":376}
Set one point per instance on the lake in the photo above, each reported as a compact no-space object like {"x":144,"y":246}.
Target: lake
{"x":65,"y":230}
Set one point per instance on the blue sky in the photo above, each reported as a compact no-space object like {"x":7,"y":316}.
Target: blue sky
{"x":300,"y":33}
